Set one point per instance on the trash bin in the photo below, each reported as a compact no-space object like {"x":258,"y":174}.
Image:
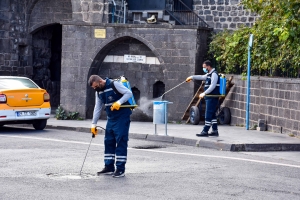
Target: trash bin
{"x":160,"y":113}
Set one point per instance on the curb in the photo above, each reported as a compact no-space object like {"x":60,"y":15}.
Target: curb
{"x":199,"y":143}
{"x":194,"y":142}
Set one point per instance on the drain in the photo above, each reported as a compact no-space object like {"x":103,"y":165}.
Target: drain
{"x":70,"y":176}
{"x":148,"y":147}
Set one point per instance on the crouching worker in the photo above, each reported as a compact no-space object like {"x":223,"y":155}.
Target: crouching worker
{"x":112,"y":94}
{"x":212,"y":84}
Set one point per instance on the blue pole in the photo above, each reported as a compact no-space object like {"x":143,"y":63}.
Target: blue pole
{"x":248,"y":81}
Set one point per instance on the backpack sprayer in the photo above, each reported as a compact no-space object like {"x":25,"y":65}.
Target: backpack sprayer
{"x":126,"y":83}
{"x":131,"y":100}
{"x":222,"y":88}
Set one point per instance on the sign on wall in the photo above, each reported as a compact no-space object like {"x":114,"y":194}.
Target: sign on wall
{"x":100,"y":33}
{"x":134,"y":58}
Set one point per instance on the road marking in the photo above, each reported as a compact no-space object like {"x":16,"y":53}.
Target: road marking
{"x":157,"y":151}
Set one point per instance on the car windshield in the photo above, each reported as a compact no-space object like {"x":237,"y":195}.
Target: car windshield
{"x":16,"y":83}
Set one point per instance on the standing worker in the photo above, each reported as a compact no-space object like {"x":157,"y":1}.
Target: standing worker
{"x":112,"y":94}
{"x":212,"y":84}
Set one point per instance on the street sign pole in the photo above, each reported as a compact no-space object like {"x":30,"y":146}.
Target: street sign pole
{"x":248,"y":80}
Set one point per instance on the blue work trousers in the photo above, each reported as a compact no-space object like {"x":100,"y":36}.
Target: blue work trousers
{"x":210,"y":114}
{"x":116,"y":142}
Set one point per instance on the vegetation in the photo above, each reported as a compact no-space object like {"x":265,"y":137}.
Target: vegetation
{"x":61,"y":114}
{"x":276,"y":49}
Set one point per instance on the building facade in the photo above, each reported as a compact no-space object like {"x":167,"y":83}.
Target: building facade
{"x":60,"y":43}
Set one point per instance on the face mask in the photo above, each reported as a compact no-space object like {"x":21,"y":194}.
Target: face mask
{"x":205,"y":70}
{"x":97,"y":89}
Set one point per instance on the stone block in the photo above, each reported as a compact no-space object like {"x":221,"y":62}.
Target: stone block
{"x":215,"y":13}
{"x":209,"y":18}
{"x":220,"y":8}
{"x":2,"y":58}
{"x":207,"y":12}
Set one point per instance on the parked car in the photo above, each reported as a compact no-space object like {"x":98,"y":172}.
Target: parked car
{"x":22,"y":101}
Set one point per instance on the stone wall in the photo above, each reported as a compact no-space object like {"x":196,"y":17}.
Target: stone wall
{"x":174,"y":47}
{"x":48,"y":12}
{"x":277,"y":100}
{"x":13,"y":58}
{"x":91,"y":11}
{"x":224,"y":14}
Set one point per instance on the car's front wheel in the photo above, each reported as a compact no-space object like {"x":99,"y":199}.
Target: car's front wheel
{"x":39,"y":124}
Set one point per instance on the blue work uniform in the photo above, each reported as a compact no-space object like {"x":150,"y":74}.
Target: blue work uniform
{"x":117,"y":128}
{"x":211,"y":104}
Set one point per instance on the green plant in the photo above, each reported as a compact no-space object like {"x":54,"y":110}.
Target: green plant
{"x":61,"y":114}
{"x":240,"y":125}
{"x":276,"y":49}
{"x":253,"y":127}
{"x":291,"y":135}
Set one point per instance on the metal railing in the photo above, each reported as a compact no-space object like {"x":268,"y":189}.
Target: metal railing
{"x":184,"y":15}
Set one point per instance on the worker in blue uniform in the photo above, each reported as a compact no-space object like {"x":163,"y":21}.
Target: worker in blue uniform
{"x":210,"y":94}
{"x":112,"y":94}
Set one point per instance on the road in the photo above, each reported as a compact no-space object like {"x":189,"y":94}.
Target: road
{"x":46,"y":165}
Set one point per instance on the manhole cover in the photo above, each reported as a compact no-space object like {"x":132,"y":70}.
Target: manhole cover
{"x":148,"y":147}
{"x":70,"y":176}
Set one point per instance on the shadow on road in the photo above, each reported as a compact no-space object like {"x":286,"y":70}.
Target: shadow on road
{"x":20,"y":130}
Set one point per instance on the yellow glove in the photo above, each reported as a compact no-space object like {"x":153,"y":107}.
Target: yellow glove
{"x":188,"y":79}
{"x":202,"y":95}
{"x":115,"y":106}
{"x":94,"y":130}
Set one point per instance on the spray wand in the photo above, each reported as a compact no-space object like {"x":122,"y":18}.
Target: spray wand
{"x":93,"y":136}
{"x":172,"y":89}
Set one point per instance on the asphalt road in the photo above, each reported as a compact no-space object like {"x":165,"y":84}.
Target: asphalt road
{"x":46,"y":165}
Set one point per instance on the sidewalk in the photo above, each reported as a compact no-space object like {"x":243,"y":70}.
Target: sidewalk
{"x":231,"y":138}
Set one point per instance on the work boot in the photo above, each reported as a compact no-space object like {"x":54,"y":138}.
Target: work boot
{"x":118,"y":173}
{"x":214,"y":133}
{"x":105,"y":171}
{"x":202,"y":134}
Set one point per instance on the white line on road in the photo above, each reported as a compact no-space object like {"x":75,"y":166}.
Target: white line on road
{"x":156,"y":151}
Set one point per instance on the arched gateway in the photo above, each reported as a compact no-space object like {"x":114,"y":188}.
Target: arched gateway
{"x":144,"y":54}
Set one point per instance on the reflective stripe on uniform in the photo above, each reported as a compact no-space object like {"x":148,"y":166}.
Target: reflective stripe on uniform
{"x":214,"y":121}
{"x":121,"y":156}
{"x":109,"y":154}
{"x":109,"y":158}
{"x":121,"y":160}
{"x":207,"y":123}
{"x":107,"y":90}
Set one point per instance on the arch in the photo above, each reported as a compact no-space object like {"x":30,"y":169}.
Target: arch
{"x":121,"y":36}
{"x":136,"y":94}
{"x":40,"y":26}
{"x":99,"y":55}
{"x":158,"y":89}
{"x":30,"y":8}
{"x":46,"y":59}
